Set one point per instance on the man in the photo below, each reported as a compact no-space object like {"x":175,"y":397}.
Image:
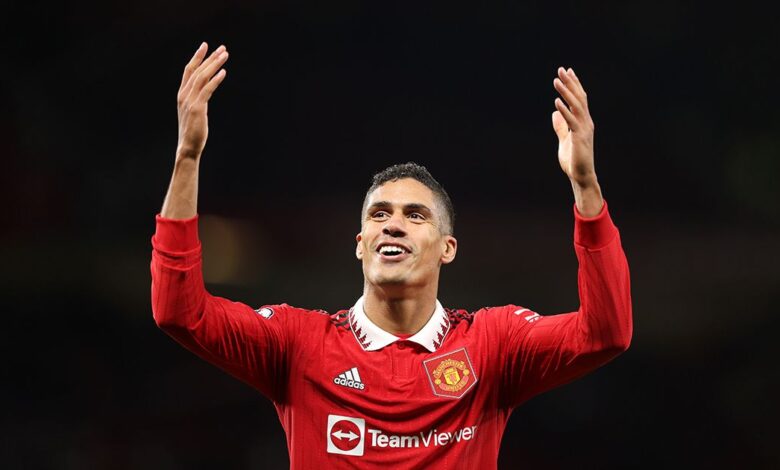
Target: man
{"x":397,"y":379}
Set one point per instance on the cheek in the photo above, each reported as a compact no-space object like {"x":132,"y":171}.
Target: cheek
{"x":431,"y":252}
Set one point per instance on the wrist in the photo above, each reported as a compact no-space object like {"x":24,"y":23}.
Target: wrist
{"x":187,"y":153}
{"x":184,"y":164}
{"x":584,"y":181}
{"x":587,"y":197}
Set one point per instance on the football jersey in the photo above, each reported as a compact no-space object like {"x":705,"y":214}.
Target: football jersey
{"x":351,"y":395}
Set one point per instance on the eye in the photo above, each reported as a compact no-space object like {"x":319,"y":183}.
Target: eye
{"x":416,"y":216}
{"x":379,"y":215}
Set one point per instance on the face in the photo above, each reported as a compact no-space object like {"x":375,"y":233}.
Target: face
{"x":401,"y":243}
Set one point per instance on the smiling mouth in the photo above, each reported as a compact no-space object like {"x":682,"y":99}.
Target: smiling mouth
{"x":392,"y":252}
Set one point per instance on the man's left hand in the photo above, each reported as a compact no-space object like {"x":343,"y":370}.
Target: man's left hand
{"x":574,"y":127}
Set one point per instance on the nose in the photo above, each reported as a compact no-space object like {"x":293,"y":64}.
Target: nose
{"x":395,"y":226}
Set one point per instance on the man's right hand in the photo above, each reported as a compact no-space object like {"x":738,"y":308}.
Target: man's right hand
{"x":198,"y":83}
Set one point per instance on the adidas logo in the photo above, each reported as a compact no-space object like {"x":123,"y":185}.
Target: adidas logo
{"x":350,"y":378}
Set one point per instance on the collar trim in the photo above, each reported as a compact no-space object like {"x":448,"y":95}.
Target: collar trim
{"x":372,"y":338}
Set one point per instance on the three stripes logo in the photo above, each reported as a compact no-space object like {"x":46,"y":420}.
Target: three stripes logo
{"x":529,"y":318}
{"x":351,"y":379}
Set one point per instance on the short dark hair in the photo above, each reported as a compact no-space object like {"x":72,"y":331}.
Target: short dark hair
{"x":420,"y":173}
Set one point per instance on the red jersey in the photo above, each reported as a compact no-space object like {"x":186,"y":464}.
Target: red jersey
{"x":351,"y":395}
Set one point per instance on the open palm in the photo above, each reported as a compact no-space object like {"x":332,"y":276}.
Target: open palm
{"x":574,"y":127}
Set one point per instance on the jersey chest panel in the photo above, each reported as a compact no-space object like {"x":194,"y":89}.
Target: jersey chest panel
{"x":401,"y":398}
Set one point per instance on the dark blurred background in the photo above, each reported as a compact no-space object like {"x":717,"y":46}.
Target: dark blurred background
{"x":319,"y":95}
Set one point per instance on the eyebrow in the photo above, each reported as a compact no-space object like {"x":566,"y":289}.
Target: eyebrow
{"x":411,"y":206}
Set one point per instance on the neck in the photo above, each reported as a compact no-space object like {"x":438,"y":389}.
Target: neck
{"x":404,"y":313}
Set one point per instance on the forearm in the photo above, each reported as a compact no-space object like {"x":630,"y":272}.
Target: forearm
{"x":550,"y":350}
{"x":604,"y":285}
{"x":587,"y":196}
{"x":181,"y":202}
{"x":199,"y":80}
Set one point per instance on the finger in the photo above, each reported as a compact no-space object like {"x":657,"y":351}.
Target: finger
{"x":215,"y":55}
{"x":574,"y":103}
{"x":571,"y":120}
{"x":560,"y":126}
{"x":570,"y":73}
{"x":570,"y":79}
{"x":205,"y":72}
{"x":208,"y":89}
{"x":196,"y":59}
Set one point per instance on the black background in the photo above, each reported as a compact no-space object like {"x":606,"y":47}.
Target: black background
{"x":319,"y":96}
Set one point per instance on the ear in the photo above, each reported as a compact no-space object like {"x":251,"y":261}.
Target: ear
{"x":359,"y":247}
{"x":450,"y":249}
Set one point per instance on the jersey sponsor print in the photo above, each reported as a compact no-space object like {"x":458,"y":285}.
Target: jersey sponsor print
{"x":350,"y":436}
{"x":346,"y":435}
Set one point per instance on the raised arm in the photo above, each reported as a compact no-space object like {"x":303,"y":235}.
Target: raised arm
{"x":198,"y":82}
{"x":251,"y":345}
{"x":546,"y":351}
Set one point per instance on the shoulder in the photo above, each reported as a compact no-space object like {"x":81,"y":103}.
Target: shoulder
{"x":491,"y":315}
{"x":289,"y":313}
{"x":339,"y":319}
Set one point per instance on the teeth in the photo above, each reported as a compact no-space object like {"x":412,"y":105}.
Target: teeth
{"x":391,"y":250}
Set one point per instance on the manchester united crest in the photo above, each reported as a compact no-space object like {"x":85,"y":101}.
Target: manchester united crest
{"x":452,"y":374}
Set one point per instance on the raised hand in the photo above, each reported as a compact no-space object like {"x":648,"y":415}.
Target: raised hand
{"x":198,"y":83}
{"x":574,"y":127}
{"x":200,"y":79}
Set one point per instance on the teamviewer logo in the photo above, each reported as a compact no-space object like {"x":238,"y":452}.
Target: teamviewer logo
{"x":346,"y":435}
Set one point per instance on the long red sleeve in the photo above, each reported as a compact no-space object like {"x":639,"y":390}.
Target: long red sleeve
{"x":543,"y":352}
{"x":230,"y":335}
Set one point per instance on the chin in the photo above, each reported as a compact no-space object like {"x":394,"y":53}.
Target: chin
{"x":390,"y":281}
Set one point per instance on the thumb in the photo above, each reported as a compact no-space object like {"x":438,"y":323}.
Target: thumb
{"x":559,"y":125}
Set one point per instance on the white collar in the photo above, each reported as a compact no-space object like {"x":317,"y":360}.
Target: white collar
{"x":373,"y":338}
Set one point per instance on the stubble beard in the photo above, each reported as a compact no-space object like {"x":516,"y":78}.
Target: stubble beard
{"x":391,"y":279}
